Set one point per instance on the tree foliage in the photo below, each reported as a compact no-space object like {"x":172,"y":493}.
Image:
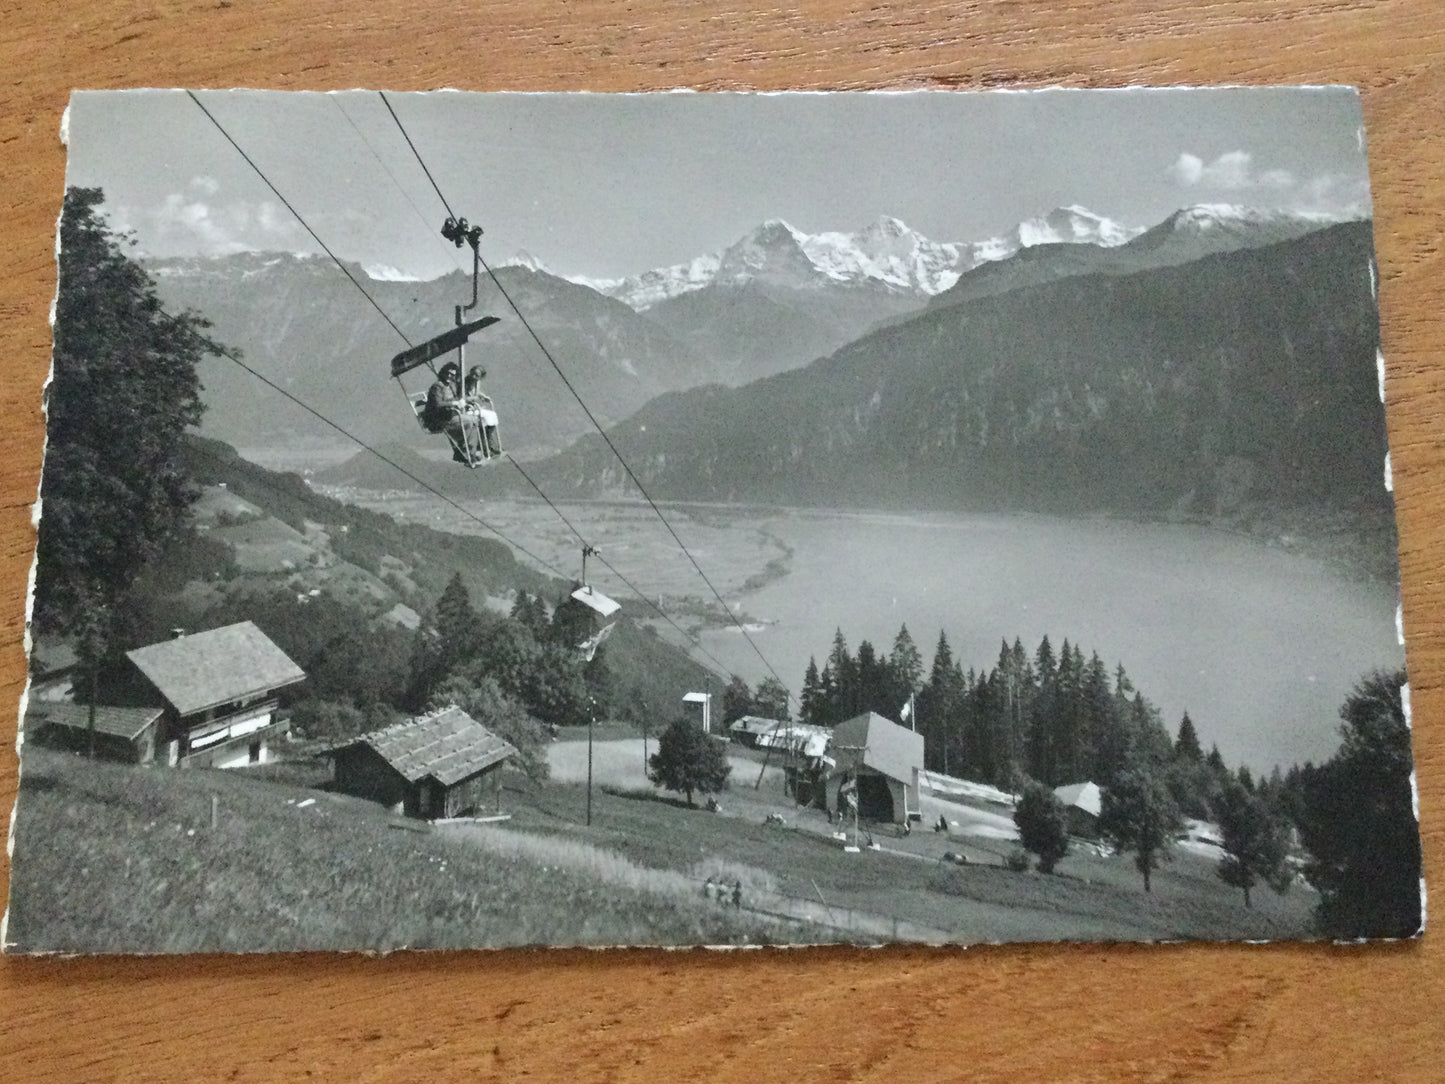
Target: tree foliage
{"x":123,"y":392}
{"x":688,"y":761}
{"x":1043,"y":825}
{"x":485,"y":702}
{"x":1139,"y":815}
{"x":1255,"y":848}
{"x":1058,"y":717}
{"x":1359,"y":823}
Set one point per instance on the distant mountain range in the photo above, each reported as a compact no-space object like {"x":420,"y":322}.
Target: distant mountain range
{"x":885,"y":253}
{"x":772,"y":302}
{"x":301,"y":323}
{"x":1153,"y":377}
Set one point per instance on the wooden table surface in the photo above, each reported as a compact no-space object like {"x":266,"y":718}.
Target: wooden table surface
{"x":1080,"y":1013}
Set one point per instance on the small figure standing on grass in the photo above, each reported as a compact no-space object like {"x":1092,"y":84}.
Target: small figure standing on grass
{"x":737,"y":894}
{"x":710,"y":889}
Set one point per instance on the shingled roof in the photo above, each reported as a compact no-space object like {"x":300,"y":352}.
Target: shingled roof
{"x":124,"y":723}
{"x":209,"y":668}
{"x":448,"y":745}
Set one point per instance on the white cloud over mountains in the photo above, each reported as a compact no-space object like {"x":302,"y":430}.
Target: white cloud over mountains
{"x":1233,"y":170}
{"x":194,"y":221}
{"x":1333,"y":193}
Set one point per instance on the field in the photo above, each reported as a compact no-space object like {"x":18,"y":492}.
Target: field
{"x":110,"y":858}
{"x":1091,"y":897}
{"x":113,"y":858}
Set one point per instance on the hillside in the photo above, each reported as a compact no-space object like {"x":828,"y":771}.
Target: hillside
{"x":1201,"y":389}
{"x":111,"y":858}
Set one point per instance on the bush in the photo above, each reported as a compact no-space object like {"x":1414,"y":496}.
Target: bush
{"x":1043,"y":825}
{"x":1017,"y":860}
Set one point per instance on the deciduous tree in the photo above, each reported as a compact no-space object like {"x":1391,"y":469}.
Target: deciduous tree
{"x":1139,"y":815}
{"x":688,"y":761}
{"x":1254,"y":842}
{"x":1359,"y":821}
{"x":123,"y":392}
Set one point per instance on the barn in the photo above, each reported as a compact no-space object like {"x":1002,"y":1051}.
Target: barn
{"x":885,"y":759}
{"x":444,"y":764}
{"x":1082,"y":804}
{"x":125,"y":734}
{"x":220,"y":690}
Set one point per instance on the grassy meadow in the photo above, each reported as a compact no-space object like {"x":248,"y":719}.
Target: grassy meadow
{"x":111,"y":858}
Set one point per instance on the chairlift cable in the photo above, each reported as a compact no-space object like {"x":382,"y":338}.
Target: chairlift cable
{"x":297,"y":213}
{"x":231,"y":356}
{"x":690,"y":637}
{"x":336,"y":101}
{"x":592,"y":417}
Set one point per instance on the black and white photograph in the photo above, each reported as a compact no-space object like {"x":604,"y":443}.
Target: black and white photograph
{"x":490,"y":520}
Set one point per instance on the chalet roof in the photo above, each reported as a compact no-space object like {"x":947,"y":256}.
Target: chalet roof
{"x":448,"y":745}
{"x":801,"y":739}
{"x":754,"y":724}
{"x":209,"y":668}
{"x":1085,"y":796}
{"x":117,"y":722}
{"x":882,"y":745}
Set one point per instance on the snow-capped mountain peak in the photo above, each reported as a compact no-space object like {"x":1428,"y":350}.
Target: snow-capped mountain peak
{"x":1072,"y":225}
{"x":885,"y":254}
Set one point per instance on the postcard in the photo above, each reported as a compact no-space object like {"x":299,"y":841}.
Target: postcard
{"x":484,"y":520}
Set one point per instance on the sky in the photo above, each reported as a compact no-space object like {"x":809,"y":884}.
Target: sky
{"x":611,"y":185}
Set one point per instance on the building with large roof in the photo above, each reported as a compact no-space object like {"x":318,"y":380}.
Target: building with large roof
{"x":431,"y":766}
{"x":883,"y":760}
{"x":1082,"y":802}
{"x":220,"y":690}
{"x":116,"y":733}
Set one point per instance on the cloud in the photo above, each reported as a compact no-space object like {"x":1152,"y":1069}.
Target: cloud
{"x":1233,"y":170}
{"x":193,"y":222}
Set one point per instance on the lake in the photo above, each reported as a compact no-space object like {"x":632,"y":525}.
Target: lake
{"x":1258,"y":644}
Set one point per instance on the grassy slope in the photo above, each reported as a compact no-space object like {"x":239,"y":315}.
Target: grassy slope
{"x":111,"y":858}
{"x":1090,"y":898}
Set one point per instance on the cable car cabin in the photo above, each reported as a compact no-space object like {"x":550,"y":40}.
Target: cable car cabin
{"x":465,"y":415}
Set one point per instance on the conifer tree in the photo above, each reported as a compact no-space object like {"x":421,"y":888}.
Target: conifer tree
{"x":905,"y":666}
{"x":1358,"y":820}
{"x":810,"y":700}
{"x":1186,"y":745}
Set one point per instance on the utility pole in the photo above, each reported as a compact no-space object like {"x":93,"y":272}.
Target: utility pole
{"x":591,"y":718}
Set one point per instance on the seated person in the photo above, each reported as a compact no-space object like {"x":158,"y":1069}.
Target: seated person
{"x":481,"y":403}
{"x":446,"y":412}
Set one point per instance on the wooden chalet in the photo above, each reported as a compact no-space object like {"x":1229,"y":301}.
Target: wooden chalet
{"x":884,"y":759}
{"x":125,"y":734}
{"x":432,"y":767}
{"x":220,"y":689}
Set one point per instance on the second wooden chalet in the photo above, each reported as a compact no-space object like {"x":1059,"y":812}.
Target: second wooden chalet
{"x":433,"y":766}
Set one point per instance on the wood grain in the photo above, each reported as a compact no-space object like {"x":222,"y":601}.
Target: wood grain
{"x":1041,"y":1013}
